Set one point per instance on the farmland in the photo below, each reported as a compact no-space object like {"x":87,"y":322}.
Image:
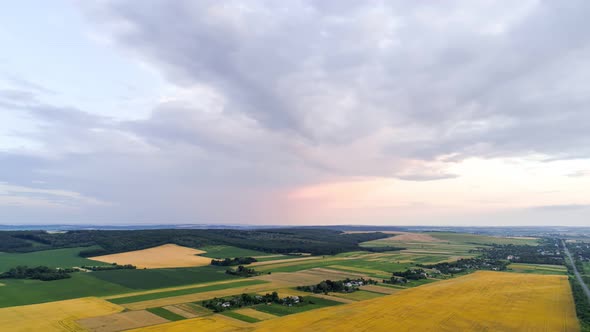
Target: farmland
{"x":480,"y":301}
{"x":56,"y":316}
{"x":53,"y":258}
{"x":22,"y":292}
{"x":168,"y":255}
{"x":184,"y":291}
{"x":538,"y":268}
{"x":222,"y":251}
{"x":162,"y":298}
{"x":160,"y":278}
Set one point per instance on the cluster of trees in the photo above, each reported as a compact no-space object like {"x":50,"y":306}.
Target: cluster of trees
{"x":244,"y":300}
{"x":43,"y":273}
{"x":113,"y":266}
{"x":233,"y":261}
{"x":341,"y":286}
{"x":466,"y":264}
{"x":242,"y":271}
{"x":281,"y":241}
{"x":402,"y":277}
{"x":547,"y":252}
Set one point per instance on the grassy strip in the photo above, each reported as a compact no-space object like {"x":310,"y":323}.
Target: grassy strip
{"x":222,"y":251}
{"x":281,"y":310}
{"x":241,"y":317}
{"x":359,"y":295}
{"x":159,"y":295}
{"x":266,"y":259}
{"x":166,"y":314}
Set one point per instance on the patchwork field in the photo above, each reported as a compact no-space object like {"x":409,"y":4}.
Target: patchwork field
{"x":482,"y":301}
{"x":239,"y":284}
{"x":55,"y":316}
{"x":168,"y":255}
{"x":165,"y":298}
{"x":491,"y":301}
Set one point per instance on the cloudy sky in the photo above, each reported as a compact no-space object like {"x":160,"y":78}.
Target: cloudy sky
{"x":295,"y":112}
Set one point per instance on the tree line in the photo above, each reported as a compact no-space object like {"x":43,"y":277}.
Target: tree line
{"x":43,"y":273}
{"x":280,"y":241}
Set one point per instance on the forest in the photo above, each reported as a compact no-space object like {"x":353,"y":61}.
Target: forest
{"x":280,"y":241}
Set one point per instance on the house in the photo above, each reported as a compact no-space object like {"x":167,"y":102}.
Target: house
{"x":226,"y":304}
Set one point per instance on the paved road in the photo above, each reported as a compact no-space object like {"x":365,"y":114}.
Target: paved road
{"x":576,"y":273}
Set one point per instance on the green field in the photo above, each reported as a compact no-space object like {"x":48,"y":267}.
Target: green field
{"x":480,"y":239}
{"x":52,"y":258}
{"x":537,"y":268}
{"x":241,"y":317}
{"x":230,"y":252}
{"x":277,"y":257}
{"x":22,"y":291}
{"x":448,"y":248}
{"x":359,"y":295}
{"x":161,"y":278}
{"x":281,"y":310}
{"x":451,"y":244}
{"x":166,"y":314}
{"x":192,"y":290}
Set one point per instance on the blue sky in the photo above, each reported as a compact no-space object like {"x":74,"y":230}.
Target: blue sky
{"x":51,"y":46}
{"x":300,"y":112}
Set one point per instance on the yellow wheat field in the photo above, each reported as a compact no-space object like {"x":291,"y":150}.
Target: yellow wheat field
{"x":121,"y":321}
{"x":213,"y":323}
{"x":168,"y":255}
{"x":54,"y":316}
{"x":482,"y":301}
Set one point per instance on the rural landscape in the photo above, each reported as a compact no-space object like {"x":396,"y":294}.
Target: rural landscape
{"x":294,"y":166}
{"x":293,"y":279}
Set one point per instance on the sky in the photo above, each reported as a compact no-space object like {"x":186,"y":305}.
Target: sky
{"x":295,"y":112}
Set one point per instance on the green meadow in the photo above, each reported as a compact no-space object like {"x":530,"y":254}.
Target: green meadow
{"x":141,"y":279}
{"x":53,"y":258}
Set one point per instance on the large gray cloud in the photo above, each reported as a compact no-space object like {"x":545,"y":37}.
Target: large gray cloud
{"x":472,"y":79}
